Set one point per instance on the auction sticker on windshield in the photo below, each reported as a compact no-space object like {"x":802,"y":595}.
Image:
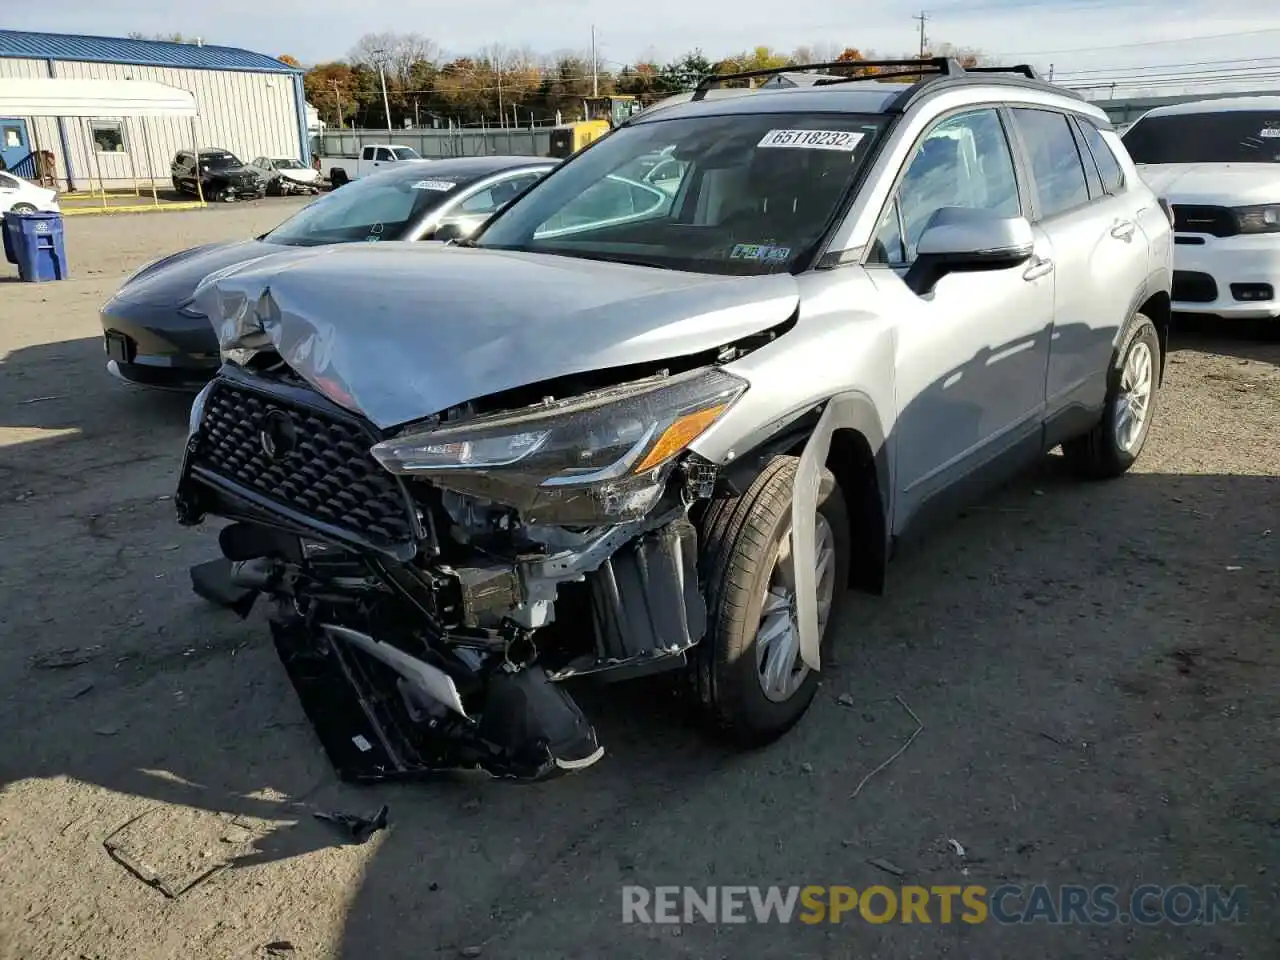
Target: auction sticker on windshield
{"x":441,"y":186}
{"x":844,"y":140}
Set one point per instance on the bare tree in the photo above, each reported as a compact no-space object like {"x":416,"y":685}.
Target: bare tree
{"x":821,"y":52}
{"x":399,"y":52}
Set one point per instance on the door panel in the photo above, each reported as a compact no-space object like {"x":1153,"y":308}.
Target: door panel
{"x":1100,"y":253}
{"x":972,"y":354}
{"x":14,"y":142}
{"x":971,"y":364}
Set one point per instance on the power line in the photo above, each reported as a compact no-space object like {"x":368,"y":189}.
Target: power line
{"x":1145,"y":43}
{"x":1178,"y":81}
{"x":1179,"y":76}
{"x":1235,"y":62}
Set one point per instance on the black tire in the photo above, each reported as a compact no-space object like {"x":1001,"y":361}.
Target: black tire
{"x":740,"y":540}
{"x":338,"y":177}
{"x":22,"y":208}
{"x":1099,"y":454}
{"x":177,"y":186}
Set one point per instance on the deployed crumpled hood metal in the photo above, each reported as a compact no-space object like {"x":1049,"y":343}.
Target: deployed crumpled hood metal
{"x":401,"y":331}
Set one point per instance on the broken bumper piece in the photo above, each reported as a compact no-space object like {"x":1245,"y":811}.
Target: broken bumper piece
{"x":384,"y":715}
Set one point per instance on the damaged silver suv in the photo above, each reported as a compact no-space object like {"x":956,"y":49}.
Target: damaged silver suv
{"x":640,"y":424}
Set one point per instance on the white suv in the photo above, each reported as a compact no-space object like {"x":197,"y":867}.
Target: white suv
{"x":1218,"y":163}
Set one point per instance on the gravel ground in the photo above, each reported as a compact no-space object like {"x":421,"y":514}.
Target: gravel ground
{"x":1095,"y":668}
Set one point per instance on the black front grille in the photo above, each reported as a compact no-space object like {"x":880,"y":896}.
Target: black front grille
{"x":1192,"y":287}
{"x":1215,"y":221}
{"x":322,"y":471}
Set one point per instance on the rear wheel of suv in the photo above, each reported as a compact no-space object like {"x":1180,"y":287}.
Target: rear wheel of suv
{"x":1113,"y":445}
{"x":747,"y":671}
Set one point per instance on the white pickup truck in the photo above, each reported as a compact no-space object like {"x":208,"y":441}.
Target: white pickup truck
{"x":372,"y":157}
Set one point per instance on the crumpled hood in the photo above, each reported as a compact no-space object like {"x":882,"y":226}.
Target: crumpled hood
{"x":172,"y":280}
{"x":307,"y":175}
{"x":1214,"y":184}
{"x":401,"y":331}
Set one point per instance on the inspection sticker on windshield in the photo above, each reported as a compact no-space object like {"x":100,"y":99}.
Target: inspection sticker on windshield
{"x":760,"y":251}
{"x":1270,"y":131}
{"x":438,"y":185}
{"x":843,"y":140}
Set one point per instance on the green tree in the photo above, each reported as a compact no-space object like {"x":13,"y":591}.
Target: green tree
{"x":684,"y":72}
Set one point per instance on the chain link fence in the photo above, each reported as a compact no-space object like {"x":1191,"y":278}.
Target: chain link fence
{"x":457,"y":142}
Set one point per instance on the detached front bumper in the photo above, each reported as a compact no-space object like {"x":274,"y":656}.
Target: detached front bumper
{"x":1228,"y":277}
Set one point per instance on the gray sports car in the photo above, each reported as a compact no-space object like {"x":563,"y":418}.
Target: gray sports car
{"x":154,"y":336}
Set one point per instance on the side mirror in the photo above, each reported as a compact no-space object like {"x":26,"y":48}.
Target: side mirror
{"x":967,"y":240}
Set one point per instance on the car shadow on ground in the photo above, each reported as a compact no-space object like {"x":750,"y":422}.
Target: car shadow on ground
{"x":1074,"y":652}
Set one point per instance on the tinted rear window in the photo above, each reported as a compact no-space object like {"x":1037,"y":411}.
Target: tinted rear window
{"x":1229,"y":136}
{"x":1108,"y":167}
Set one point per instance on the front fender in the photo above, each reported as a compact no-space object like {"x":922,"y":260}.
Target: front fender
{"x":846,"y":411}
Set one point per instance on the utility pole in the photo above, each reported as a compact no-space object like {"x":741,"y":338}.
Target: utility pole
{"x":923,"y":17}
{"x":595,"y":65}
{"x":337,"y":95}
{"x":382,"y":74}
{"x":497,"y":72}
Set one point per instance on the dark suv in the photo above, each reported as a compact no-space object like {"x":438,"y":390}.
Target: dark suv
{"x":220,"y":175}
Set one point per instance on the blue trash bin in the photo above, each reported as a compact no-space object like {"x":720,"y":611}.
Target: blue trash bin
{"x":9,"y":253}
{"x":38,"y":245}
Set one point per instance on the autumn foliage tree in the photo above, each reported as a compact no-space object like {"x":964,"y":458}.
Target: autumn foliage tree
{"x":504,"y":86}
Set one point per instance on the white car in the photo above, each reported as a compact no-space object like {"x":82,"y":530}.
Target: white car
{"x":22,"y":196}
{"x":1217,"y":162}
{"x":287,"y":168}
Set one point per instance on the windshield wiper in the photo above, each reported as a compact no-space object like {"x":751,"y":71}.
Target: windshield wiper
{"x":603,"y":257}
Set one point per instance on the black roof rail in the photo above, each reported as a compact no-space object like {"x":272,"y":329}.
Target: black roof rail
{"x":938,"y":66}
{"x":1025,"y":77}
{"x":1025,"y":69}
{"x":932,"y":73}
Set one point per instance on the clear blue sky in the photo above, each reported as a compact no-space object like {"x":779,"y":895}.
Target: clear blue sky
{"x":1086,"y":40}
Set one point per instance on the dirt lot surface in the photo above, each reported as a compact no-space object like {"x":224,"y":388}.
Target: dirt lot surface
{"x":1096,"y":667}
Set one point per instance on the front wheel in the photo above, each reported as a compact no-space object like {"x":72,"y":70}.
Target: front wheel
{"x":1114,"y":444}
{"x":22,"y":208}
{"x":747,"y":672}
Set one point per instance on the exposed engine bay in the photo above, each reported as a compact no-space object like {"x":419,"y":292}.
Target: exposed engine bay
{"x":428,"y":587}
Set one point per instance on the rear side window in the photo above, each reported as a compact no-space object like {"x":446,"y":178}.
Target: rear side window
{"x":1108,"y":167}
{"x":1055,"y":162}
{"x":384,"y":153}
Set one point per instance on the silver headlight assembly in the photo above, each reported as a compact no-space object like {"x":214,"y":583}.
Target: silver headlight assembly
{"x":599,"y":458}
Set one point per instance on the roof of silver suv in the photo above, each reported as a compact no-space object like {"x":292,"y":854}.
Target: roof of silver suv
{"x":899,"y":85}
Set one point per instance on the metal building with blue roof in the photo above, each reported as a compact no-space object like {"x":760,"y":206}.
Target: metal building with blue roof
{"x":249,"y":103}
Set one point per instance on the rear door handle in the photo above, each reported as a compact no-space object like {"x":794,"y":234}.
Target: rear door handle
{"x":1123,"y":230}
{"x":1041,"y":267}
